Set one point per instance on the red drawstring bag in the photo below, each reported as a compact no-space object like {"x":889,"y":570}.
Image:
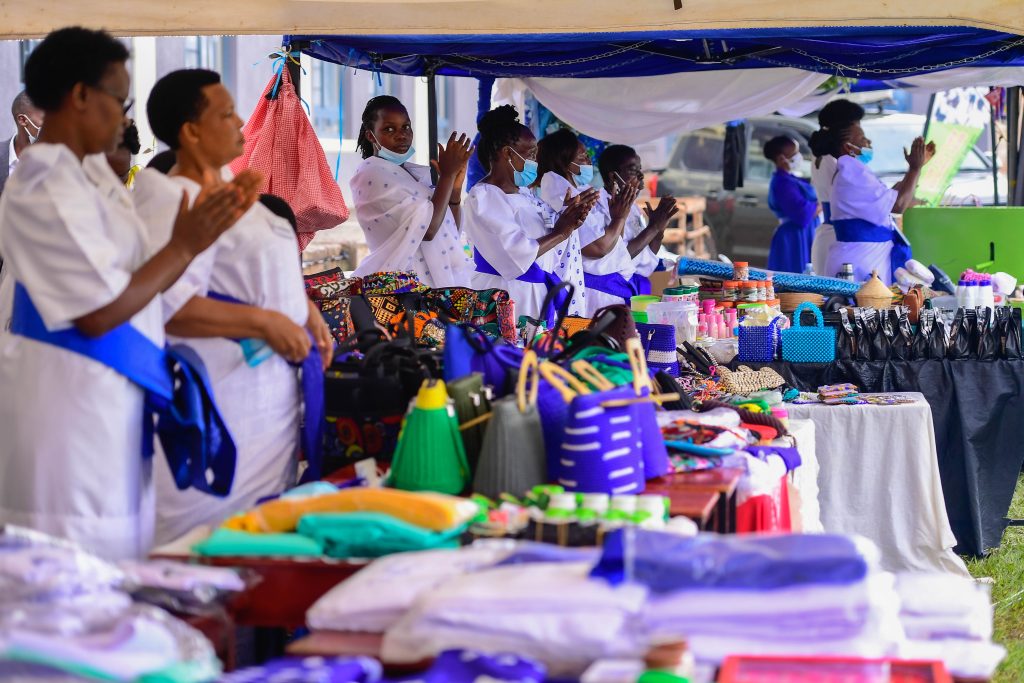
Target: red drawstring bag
{"x":281,"y":144}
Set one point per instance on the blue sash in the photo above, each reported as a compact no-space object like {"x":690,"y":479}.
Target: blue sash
{"x":618,"y":286}
{"x":534,"y":275}
{"x":194,"y":437}
{"x":826,"y":211}
{"x":859,"y":230}
{"x":311,"y":436}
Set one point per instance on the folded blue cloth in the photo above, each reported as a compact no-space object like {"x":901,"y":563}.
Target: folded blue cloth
{"x":667,"y":563}
{"x":466,"y":666}
{"x":310,"y":670}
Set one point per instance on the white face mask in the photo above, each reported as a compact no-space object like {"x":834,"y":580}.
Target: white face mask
{"x":31,"y":138}
{"x":797,"y":164}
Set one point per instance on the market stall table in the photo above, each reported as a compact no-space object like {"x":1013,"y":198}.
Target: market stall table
{"x":804,"y":479}
{"x":879,"y":477}
{"x":681,"y":487}
{"x":977,"y":408}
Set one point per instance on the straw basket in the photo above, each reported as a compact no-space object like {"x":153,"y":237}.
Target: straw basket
{"x":789,"y":301}
{"x":874,"y":294}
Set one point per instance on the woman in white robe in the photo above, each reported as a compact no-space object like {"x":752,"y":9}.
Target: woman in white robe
{"x":520,"y":244}
{"x":862,"y":206}
{"x":641,"y":236}
{"x":823,"y":173}
{"x":247,"y":286}
{"x":409,"y":225}
{"x":72,"y":445}
{"x":833,"y":116}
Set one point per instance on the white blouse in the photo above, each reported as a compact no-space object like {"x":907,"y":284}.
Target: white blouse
{"x":505,"y":229}
{"x":394,"y":208}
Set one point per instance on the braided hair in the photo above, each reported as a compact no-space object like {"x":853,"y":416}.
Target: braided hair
{"x":373,"y":108}
{"x":498,"y":128}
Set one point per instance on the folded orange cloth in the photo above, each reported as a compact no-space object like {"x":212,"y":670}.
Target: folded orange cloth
{"x":434,"y":511}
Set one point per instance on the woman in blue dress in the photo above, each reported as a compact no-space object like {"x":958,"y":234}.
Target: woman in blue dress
{"x":795,"y":203}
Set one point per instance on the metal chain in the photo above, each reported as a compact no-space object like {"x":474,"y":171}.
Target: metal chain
{"x":571,"y":74}
{"x":908,"y":70}
{"x":567,"y":62}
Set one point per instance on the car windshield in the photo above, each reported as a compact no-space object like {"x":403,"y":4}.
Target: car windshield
{"x":889,"y":139}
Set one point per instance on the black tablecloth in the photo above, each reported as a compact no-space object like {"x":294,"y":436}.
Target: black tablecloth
{"x":978,"y":410}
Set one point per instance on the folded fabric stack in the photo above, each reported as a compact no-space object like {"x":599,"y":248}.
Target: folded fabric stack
{"x":376,"y":597}
{"x":949,"y":618}
{"x":353,"y":522}
{"x":65,"y":609}
{"x":551,"y":612}
{"x":771,"y":595}
{"x":839,"y":394}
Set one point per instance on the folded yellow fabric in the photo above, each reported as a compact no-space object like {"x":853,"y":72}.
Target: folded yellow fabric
{"x":433,"y":511}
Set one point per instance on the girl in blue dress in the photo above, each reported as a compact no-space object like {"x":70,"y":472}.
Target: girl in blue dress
{"x":795,"y":203}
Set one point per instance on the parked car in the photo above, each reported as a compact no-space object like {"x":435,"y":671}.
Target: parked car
{"x":740,"y":220}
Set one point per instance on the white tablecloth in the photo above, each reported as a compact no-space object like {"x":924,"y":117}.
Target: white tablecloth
{"x":805,"y":477}
{"x":879,"y":477}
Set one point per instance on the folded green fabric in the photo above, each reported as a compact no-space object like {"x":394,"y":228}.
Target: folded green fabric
{"x":230,"y":542}
{"x":371,"y":534}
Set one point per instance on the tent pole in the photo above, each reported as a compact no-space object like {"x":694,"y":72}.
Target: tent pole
{"x":1012,"y":142}
{"x":995,"y":155}
{"x":928,"y":118}
{"x":432,"y":118}
{"x":294,"y":68}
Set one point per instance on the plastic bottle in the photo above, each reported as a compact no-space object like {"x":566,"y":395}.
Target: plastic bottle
{"x":986,"y":297}
{"x":769,"y":284}
{"x":741,"y":271}
{"x":809,"y":269}
{"x":971,"y":298}
{"x":961,"y":294}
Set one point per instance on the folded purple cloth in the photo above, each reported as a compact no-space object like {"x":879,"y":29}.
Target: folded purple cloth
{"x":666,"y":562}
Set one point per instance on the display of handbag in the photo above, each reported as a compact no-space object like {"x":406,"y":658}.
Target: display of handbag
{"x":512,"y":457}
{"x":659,"y":346}
{"x":655,"y":455}
{"x":429,"y":455}
{"x":472,"y":402}
{"x":759,"y":344}
{"x":744,"y":380}
{"x":801,"y":344}
{"x":366,"y":398}
{"x":600,"y":449}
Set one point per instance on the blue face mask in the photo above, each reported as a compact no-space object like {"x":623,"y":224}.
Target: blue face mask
{"x":528,"y":175}
{"x":586,"y":174}
{"x":866,"y":154}
{"x":394,"y":157}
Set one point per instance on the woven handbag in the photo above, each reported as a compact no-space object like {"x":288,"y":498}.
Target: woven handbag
{"x":808,"y":344}
{"x":743,"y":380}
{"x":659,"y":344}
{"x":759,"y":344}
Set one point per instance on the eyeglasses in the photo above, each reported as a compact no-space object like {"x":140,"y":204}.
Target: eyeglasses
{"x":126,"y":103}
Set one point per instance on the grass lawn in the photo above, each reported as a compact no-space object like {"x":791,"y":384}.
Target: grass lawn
{"x":1006,"y":566}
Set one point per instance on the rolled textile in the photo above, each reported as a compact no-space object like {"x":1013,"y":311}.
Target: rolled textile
{"x":784,"y":282}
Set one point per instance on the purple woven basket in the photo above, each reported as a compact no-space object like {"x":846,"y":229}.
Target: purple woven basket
{"x":659,"y":342}
{"x":759,"y":344}
{"x":601,"y":451}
